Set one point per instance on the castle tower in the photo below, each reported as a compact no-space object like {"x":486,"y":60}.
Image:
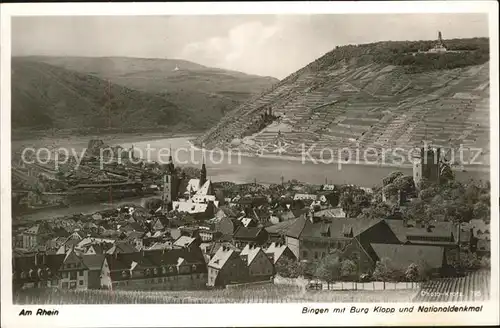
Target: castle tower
{"x":428,"y":166}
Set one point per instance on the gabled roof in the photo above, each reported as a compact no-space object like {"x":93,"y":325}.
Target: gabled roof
{"x":403,"y":255}
{"x":93,"y":262}
{"x":250,"y":252}
{"x":121,"y":247}
{"x":193,"y":186}
{"x":205,"y":189}
{"x":277,"y":250}
{"x":221,"y":257}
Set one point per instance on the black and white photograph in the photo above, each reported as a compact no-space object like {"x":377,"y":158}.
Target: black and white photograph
{"x":251,"y":158}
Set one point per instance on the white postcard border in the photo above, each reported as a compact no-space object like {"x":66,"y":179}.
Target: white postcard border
{"x":235,"y":314}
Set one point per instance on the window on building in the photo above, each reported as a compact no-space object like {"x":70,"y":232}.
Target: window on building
{"x":316,"y":255}
{"x":54,"y":282}
{"x":304,"y":254}
{"x":322,"y":254}
{"x":65,"y":285}
{"x":80,"y":282}
{"x":65,"y":275}
{"x":80,"y":273}
{"x":72,"y":275}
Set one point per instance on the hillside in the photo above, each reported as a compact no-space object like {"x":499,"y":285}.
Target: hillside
{"x":208,"y":92}
{"x":381,"y":95}
{"x":46,"y":96}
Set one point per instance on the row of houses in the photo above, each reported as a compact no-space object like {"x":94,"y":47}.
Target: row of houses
{"x":179,"y":268}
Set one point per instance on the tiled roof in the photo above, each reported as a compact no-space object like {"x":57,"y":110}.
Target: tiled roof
{"x":439,"y":230}
{"x":193,"y":186}
{"x":403,"y":255}
{"x":276,"y":250}
{"x":250,"y":252}
{"x":203,"y":191}
{"x":298,"y":225}
{"x":221,"y":257}
{"x":280,"y":228}
{"x":93,"y":262}
{"x":184,"y":241}
{"x":244,"y":232}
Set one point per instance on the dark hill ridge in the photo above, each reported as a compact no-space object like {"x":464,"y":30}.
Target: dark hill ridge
{"x":381,"y":95}
{"x":68,"y":92}
{"x":46,"y":96}
{"x":169,"y":76}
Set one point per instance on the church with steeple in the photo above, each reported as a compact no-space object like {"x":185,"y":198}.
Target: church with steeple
{"x":177,"y":188}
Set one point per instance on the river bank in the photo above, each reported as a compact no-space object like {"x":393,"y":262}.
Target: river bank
{"x":332,"y":161}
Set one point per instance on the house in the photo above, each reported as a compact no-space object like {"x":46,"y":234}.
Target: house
{"x":260,"y":267}
{"x":135,"y":238}
{"x":158,"y":269}
{"x":36,"y":271}
{"x":207,"y":235}
{"x":226,"y":267}
{"x":82,"y":271}
{"x":337,"y":212}
{"x":200,"y":211}
{"x":254,"y":235}
{"x":36,"y":235}
{"x":401,"y":256}
{"x":310,"y":197}
{"x":225,"y":225}
{"x":279,"y":252}
{"x":311,"y":238}
{"x":328,"y":187}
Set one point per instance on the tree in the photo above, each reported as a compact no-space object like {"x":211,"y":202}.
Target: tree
{"x":289,"y":268}
{"x":412,"y":272}
{"x":348,"y":269}
{"x":328,"y":268}
{"x":384,"y":270}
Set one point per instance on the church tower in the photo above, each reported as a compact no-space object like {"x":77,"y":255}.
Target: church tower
{"x":203,"y":173}
{"x":170,"y":164}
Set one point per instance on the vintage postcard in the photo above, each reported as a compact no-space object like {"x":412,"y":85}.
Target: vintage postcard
{"x":249,"y":164}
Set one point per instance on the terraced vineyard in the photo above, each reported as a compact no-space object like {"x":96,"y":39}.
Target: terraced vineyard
{"x":473,"y":287}
{"x":365,"y":105}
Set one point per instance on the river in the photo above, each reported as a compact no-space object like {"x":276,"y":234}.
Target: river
{"x":242,"y":169}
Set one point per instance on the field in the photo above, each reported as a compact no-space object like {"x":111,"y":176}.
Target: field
{"x":261,"y":294}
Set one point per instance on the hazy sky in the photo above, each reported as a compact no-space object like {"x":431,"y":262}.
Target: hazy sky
{"x":264,"y":44}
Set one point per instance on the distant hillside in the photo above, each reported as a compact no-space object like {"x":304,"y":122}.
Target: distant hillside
{"x":46,"y":96}
{"x":205,"y":91}
{"x":386,"y":94}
